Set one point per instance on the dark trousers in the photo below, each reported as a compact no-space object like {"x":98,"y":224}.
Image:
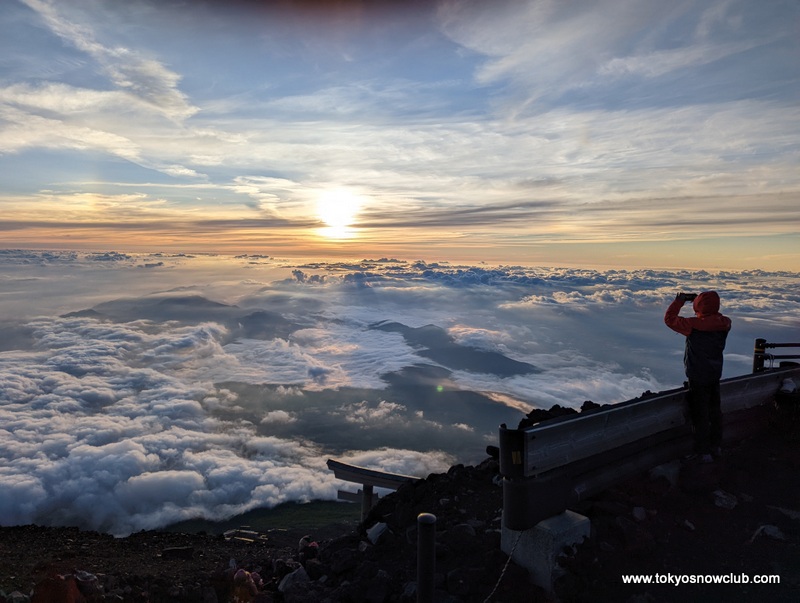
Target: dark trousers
{"x":706,"y":415}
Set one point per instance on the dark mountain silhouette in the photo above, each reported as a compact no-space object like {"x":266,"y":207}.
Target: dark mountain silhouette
{"x":185,"y":309}
{"x":264,"y":324}
{"x":88,"y":313}
{"x":436,"y":344}
{"x":193,"y":309}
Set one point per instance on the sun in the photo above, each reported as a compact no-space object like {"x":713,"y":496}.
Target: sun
{"x":338,"y":209}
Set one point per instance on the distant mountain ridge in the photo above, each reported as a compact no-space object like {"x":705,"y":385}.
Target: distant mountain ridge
{"x":192,"y":309}
{"x":436,"y":344}
{"x":430,"y":341}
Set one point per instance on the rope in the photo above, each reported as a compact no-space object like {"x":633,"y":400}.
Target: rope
{"x":505,"y":568}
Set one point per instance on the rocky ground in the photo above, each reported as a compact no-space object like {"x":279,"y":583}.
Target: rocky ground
{"x":738,"y":516}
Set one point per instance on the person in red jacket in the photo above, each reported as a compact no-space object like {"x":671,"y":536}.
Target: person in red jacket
{"x":706,"y":333}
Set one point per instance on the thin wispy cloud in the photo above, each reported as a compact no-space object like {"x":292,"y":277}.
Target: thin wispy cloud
{"x":142,"y":78}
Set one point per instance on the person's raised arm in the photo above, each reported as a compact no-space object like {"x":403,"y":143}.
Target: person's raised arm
{"x":673,"y":320}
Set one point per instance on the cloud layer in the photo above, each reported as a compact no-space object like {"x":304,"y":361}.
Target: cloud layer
{"x":230,"y":388}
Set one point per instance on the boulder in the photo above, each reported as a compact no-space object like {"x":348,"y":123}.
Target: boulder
{"x":296,"y":580}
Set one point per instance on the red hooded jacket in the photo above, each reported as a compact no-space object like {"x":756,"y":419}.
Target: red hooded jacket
{"x":706,"y":333}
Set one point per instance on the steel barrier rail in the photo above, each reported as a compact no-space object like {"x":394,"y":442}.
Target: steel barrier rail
{"x":551,"y":465}
{"x":760,"y":353}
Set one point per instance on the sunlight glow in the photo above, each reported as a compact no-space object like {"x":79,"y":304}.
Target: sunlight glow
{"x":338,"y":209}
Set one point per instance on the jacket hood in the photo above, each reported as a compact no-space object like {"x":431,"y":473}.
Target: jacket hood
{"x":706,"y":303}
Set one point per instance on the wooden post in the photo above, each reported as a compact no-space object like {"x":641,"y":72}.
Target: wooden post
{"x":369,"y":479}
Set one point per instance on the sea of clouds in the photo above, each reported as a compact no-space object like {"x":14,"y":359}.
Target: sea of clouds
{"x":136,"y":391}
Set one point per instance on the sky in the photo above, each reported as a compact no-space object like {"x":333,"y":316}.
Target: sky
{"x":619,"y":133}
{"x":138,"y":390}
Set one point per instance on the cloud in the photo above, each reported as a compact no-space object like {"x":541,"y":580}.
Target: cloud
{"x":156,"y":412}
{"x":278,"y":416}
{"x":143,"y":78}
{"x":89,"y":117}
{"x":547,"y":50}
{"x":364,"y":414}
{"x":330,"y":357}
{"x":404,"y":462}
{"x":34,"y":131}
{"x":62,"y":98}
{"x":661,"y":62}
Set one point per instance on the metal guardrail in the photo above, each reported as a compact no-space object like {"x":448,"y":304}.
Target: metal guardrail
{"x":554,"y":464}
{"x":369,"y":479}
{"x":760,"y":353}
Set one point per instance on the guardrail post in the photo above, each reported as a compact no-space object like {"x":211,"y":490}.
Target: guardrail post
{"x":426,"y":556}
{"x":758,"y":355}
{"x":366,"y":500}
{"x":512,"y":452}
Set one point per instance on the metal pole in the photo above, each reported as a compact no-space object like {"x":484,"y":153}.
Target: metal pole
{"x":758,"y":355}
{"x":426,"y":556}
